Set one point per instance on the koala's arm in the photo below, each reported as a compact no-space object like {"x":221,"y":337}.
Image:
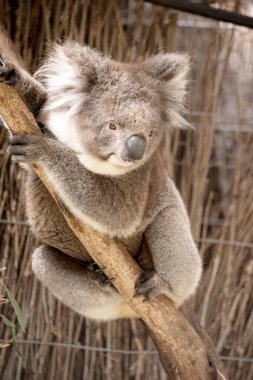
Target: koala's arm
{"x":30,"y":90}
{"x":74,"y":183}
{"x":176,"y":259}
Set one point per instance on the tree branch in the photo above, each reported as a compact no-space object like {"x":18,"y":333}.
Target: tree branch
{"x":206,"y":11}
{"x":185,"y":353}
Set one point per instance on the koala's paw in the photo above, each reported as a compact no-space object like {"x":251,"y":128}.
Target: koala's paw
{"x":149,"y":284}
{"x":9,"y":73}
{"x":97,"y":274}
{"x":27,"y":148}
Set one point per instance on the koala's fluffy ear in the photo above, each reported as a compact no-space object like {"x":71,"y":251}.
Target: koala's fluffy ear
{"x":68,"y":73}
{"x":171,"y":71}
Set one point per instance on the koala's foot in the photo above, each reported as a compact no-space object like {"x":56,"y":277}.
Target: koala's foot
{"x":97,"y":274}
{"x":149,"y":285}
{"x":71,"y":284}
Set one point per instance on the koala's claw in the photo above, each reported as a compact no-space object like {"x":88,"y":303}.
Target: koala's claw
{"x":8,"y":74}
{"x":148,"y":285}
{"x":97,"y":274}
{"x":8,"y":81}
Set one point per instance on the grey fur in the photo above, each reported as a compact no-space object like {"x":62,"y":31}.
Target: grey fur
{"x":94,"y":105}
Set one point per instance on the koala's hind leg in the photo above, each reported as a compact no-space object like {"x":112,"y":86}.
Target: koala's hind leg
{"x":72,"y":284}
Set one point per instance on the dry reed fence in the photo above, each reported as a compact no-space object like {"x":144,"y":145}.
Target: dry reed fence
{"x":212,"y":167}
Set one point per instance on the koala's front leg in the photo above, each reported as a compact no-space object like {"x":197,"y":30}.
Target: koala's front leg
{"x":176,"y":259}
{"x":74,"y":184}
{"x":31,"y":91}
{"x":30,"y":148}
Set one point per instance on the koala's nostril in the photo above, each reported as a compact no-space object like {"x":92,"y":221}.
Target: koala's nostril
{"x":135,"y":147}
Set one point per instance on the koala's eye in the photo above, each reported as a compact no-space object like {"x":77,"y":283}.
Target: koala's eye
{"x":151,"y":133}
{"x":112,"y":126}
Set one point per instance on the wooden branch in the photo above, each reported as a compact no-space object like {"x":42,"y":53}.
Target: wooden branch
{"x":185,"y":353}
{"x":206,"y":11}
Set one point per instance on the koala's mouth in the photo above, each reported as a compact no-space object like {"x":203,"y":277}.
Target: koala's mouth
{"x":120,"y":161}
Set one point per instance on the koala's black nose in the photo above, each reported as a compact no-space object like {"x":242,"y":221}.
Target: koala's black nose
{"x":135,"y":147}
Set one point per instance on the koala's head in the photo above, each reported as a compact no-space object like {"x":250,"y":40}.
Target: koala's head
{"x":112,"y":115}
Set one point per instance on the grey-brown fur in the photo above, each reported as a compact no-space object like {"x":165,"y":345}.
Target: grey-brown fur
{"x":90,"y":164}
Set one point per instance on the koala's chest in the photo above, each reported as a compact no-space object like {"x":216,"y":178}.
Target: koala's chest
{"x":114,"y":227}
{"x":115,"y":206}
{"x":118,"y":213}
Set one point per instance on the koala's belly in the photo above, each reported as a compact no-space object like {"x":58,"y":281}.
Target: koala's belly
{"x":49,"y":225}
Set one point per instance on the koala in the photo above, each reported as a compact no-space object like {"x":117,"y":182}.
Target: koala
{"x":104,"y":123}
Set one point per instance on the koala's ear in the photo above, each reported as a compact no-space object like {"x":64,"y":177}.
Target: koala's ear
{"x":68,"y":73}
{"x":168,"y":66}
{"x":171,"y":72}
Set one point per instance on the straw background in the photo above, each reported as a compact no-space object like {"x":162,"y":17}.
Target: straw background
{"x":212,"y":166}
